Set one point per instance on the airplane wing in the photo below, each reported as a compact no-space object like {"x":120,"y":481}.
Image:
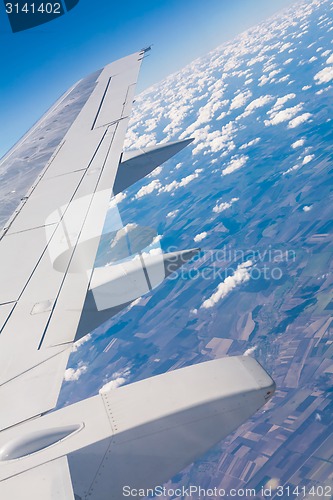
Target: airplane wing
{"x":52,"y":294}
{"x":40,"y":305}
{"x":48,"y":247}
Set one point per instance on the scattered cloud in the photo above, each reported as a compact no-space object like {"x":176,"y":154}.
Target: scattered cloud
{"x":122,"y":234}
{"x":172,"y":214}
{"x":299,"y":120}
{"x":172,"y":186}
{"x":257,"y":103}
{"x":284,"y":115}
{"x":157,"y":239}
{"x":220,"y":207}
{"x":281,"y":101}
{"x":250,"y":143}
{"x":156,"y":172}
{"x":307,"y":208}
{"x":298,"y":144}
{"x":235,"y":164}
{"x":200,"y":237}
{"x":72,"y":375}
{"x":291,"y":169}
{"x":80,"y":342}
{"x":324,"y":76}
{"x":240,"y":99}
{"x":241,"y":275}
{"x":117,"y":199}
{"x":149,"y":188}
{"x":250,"y":350}
{"x":118,"y":379}
{"x":307,"y":159}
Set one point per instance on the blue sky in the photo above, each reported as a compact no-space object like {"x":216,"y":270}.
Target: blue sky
{"x":38,"y":65}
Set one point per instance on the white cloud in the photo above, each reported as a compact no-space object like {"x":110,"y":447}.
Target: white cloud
{"x":156,"y":172}
{"x":299,"y":120}
{"x":281,"y":101}
{"x":330,"y":59}
{"x":224,"y":206}
{"x":284,"y":79}
{"x":216,"y":140}
{"x":298,"y":144}
{"x":240,"y":99}
{"x":325,"y":75}
{"x":241,"y":275}
{"x":200,"y":237}
{"x":118,"y":379}
{"x":250,"y":351}
{"x":157,"y":239}
{"x":113,"y":384}
{"x":172,"y":214}
{"x":117,"y":199}
{"x":190,"y":178}
{"x":292,"y":169}
{"x":80,"y":342}
{"x":257,"y":103}
{"x":149,"y":188}
{"x":152,"y":251}
{"x":307,"y":208}
{"x":169,"y":187}
{"x":151,"y":124}
{"x":251,"y":143}
{"x":235,"y":164}
{"x":284,"y":115}
{"x":285,"y":46}
{"x":222,"y":115}
{"x":182,"y":183}
{"x":122,"y":233}
{"x":73,"y":375}
{"x":307,"y":159}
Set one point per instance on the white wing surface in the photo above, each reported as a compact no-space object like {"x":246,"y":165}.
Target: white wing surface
{"x":40,"y":306}
{"x":51,"y":294}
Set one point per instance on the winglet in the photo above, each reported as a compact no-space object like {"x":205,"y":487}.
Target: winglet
{"x":146,"y":49}
{"x":137,"y":164}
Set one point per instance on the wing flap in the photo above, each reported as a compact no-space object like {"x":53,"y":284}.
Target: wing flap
{"x":50,"y":481}
{"x":21,"y":397}
{"x":48,"y":196}
{"x":19,"y":256}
